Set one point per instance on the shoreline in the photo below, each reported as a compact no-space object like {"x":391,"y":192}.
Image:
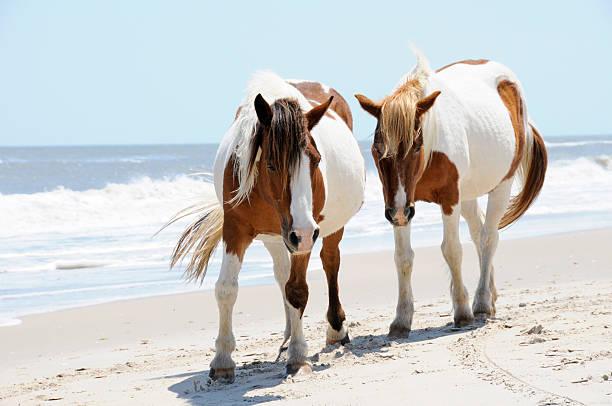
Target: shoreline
{"x":158,"y":349}
{"x":16,"y":319}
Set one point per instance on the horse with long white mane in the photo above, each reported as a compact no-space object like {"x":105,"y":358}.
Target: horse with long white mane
{"x":287,"y":171}
{"x":448,"y":137}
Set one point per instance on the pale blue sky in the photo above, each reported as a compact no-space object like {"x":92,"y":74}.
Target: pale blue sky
{"x":141,"y":72}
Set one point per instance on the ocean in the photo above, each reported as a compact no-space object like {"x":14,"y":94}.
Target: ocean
{"x":77,"y":224}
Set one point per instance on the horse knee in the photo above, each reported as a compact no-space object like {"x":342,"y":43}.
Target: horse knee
{"x":488,"y":239}
{"x":281,"y":274}
{"x":226,"y":293}
{"x":451,"y":250}
{"x":297,"y":295}
{"x":404,"y":258}
{"x":336,"y":317}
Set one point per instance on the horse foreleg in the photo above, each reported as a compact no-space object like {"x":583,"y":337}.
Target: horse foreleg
{"x":484,"y":303}
{"x":282,"y":265}
{"x":453,"y":254}
{"x":404,"y":256}
{"x":330,"y":256}
{"x":296,"y":291}
{"x":226,"y":290}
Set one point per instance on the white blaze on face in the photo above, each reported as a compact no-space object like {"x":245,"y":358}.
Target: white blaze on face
{"x":400,"y":204}
{"x":301,"y":204}
{"x":400,"y":196}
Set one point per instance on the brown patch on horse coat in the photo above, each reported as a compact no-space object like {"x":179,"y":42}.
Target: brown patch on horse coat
{"x":296,"y":288}
{"x":467,"y":62}
{"x":237,"y":112}
{"x":314,"y":91}
{"x":510,"y":95}
{"x":439,"y":183}
{"x":386,"y":168}
{"x":330,"y":256}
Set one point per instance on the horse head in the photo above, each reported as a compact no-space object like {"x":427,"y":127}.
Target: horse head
{"x":398,"y":147}
{"x":286,"y":157}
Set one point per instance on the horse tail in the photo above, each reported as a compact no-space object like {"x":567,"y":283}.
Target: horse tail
{"x":532,"y":171}
{"x":200,"y":238}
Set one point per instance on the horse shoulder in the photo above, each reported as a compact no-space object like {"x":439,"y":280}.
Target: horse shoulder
{"x":439,"y":182}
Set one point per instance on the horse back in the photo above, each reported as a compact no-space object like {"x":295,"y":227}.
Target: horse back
{"x":317,"y":93}
{"x":482,"y":113}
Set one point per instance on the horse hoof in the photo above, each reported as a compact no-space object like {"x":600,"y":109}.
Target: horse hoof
{"x":299,"y":369}
{"x":223,"y":375}
{"x":463,"y":320}
{"x":399,"y":331}
{"x":344,"y":340}
{"x":482,"y":311}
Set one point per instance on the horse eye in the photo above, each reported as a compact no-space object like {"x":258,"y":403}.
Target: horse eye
{"x":417,"y":148}
{"x":271,"y":167}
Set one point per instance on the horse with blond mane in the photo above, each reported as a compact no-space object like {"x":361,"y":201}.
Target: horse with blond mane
{"x":448,"y":137}
{"x":287,"y":171}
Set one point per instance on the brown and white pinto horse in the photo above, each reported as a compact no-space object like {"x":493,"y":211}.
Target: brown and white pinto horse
{"x":285,"y":173}
{"x":449,"y":137}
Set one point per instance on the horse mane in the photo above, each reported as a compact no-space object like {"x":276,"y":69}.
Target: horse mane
{"x":397,"y":118}
{"x":286,"y":139}
{"x":287,"y":104}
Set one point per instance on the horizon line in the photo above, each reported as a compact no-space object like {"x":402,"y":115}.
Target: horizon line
{"x":217,"y":143}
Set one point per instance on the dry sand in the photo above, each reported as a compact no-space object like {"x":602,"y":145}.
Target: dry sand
{"x":551,"y":342}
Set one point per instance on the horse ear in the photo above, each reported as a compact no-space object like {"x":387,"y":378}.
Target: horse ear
{"x":316,"y":113}
{"x":263,"y":110}
{"x":426,"y":103}
{"x":368,"y":105}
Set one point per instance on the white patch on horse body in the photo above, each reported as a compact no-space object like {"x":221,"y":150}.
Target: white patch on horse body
{"x":301,"y":196}
{"x":474,"y":128}
{"x":343,"y":169}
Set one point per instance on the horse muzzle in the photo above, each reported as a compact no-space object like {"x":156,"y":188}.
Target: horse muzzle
{"x":400,"y":217}
{"x":300,"y":241}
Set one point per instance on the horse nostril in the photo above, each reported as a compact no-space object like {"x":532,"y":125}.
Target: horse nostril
{"x":409,"y":212}
{"x":315,"y":235}
{"x":389,"y":214}
{"x":294,"y":239}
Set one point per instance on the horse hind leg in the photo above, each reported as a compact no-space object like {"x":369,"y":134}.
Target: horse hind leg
{"x":282,"y":265}
{"x":474,"y":216}
{"x":453,"y":254}
{"x":484,"y":299}
{"x":330,"y":256}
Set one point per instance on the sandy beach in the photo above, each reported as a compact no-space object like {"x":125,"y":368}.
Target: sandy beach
{"x":551,"y":342}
